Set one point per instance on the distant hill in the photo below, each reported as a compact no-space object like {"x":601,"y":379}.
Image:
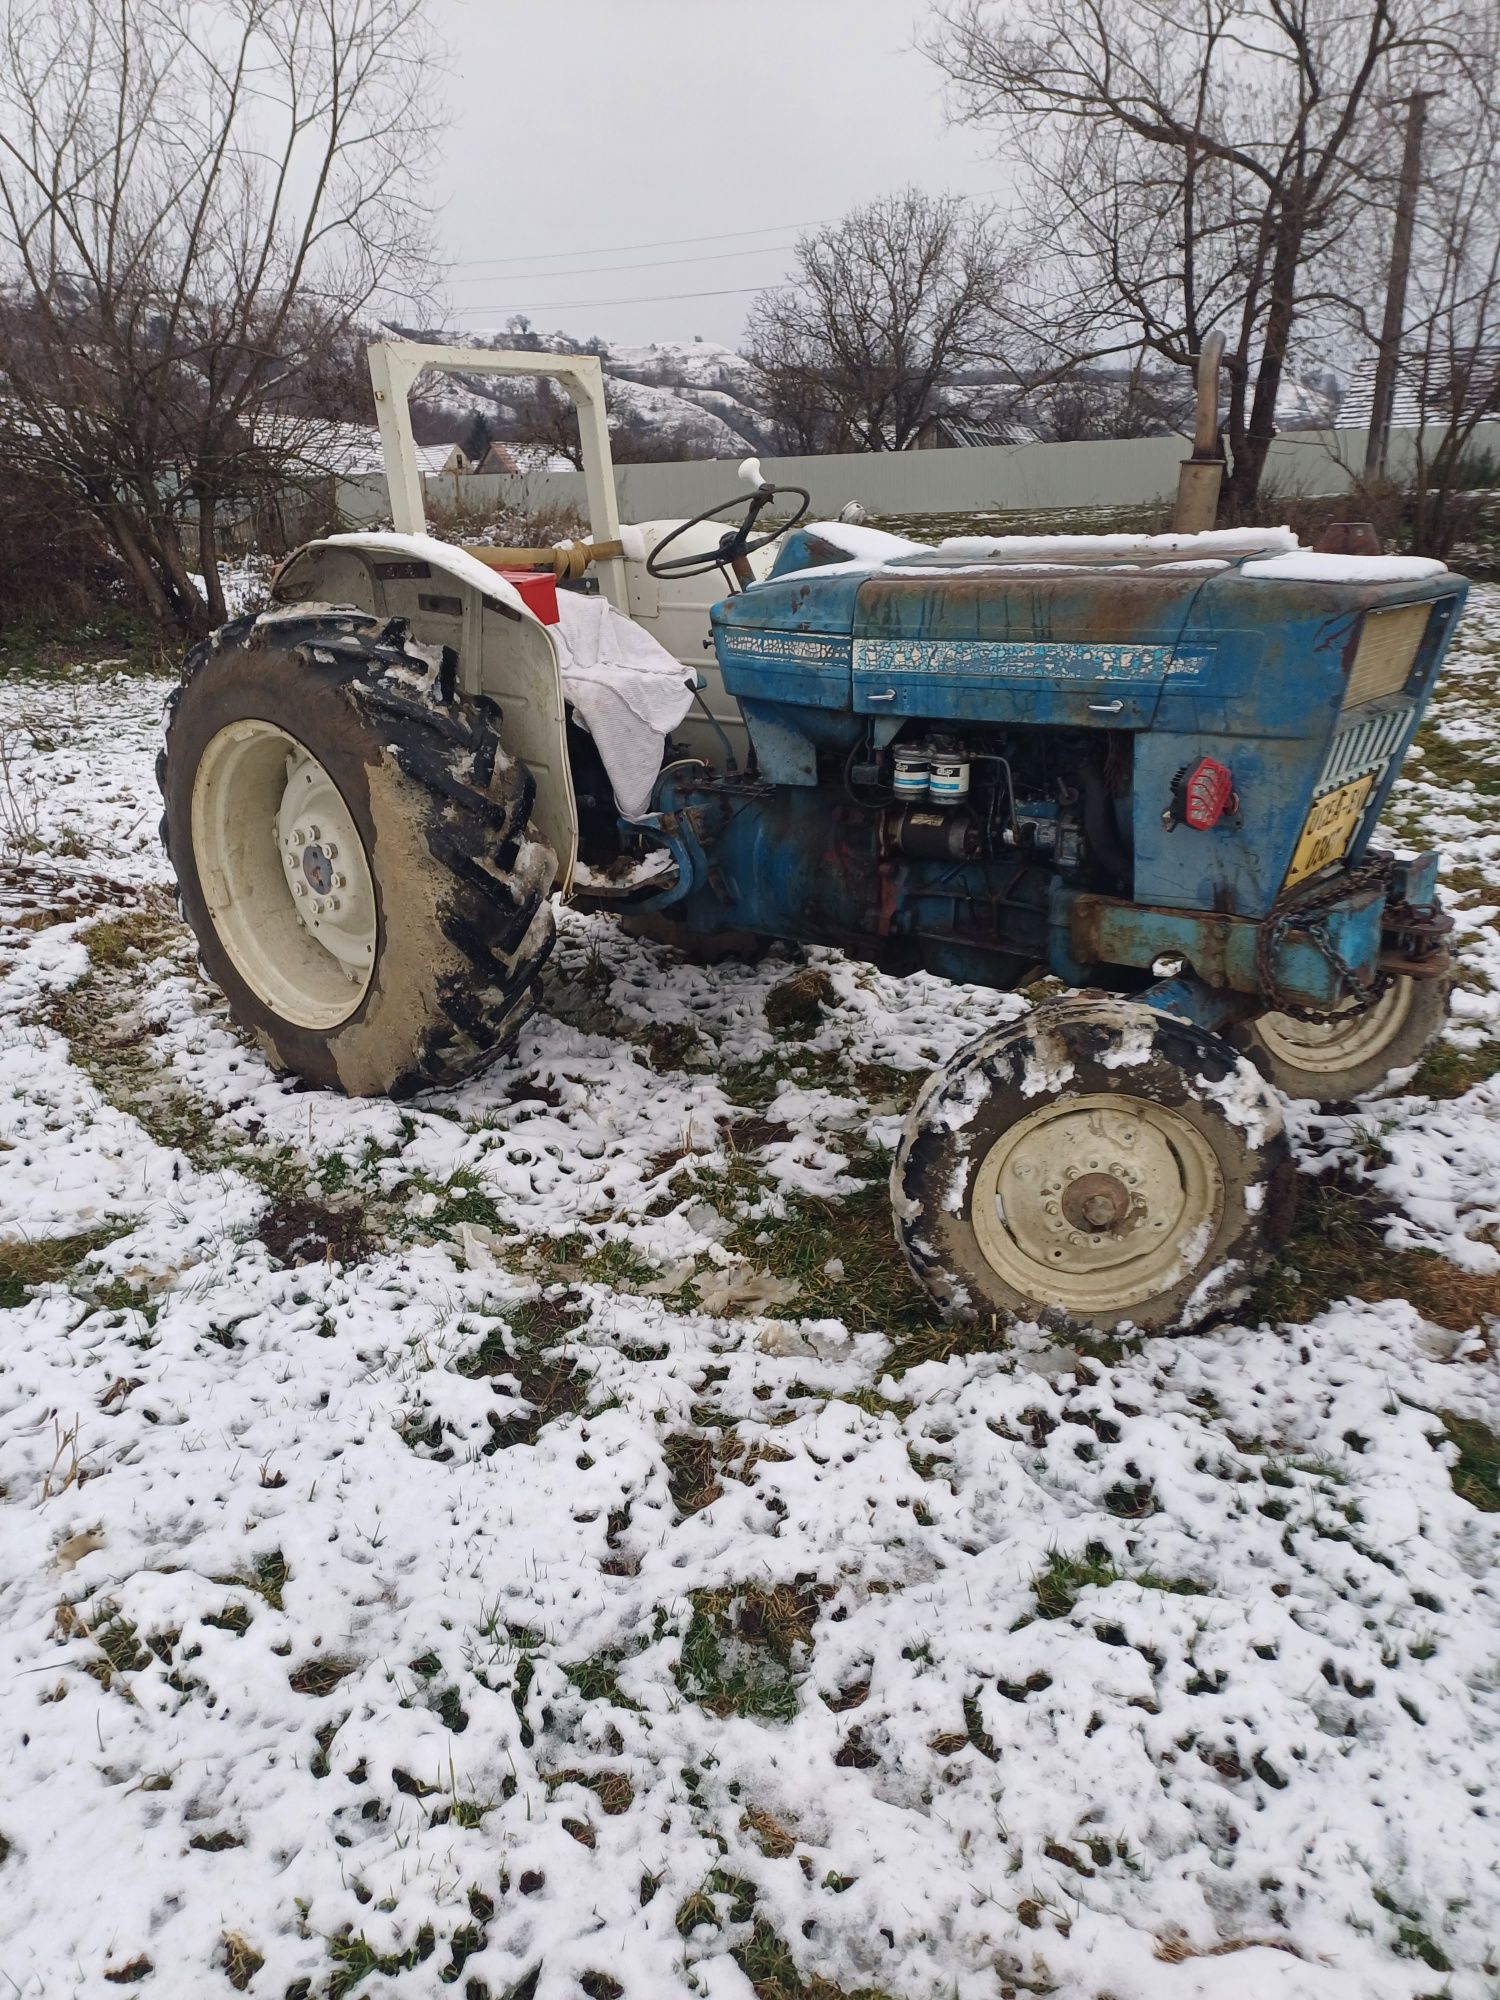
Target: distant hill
{"x":675,"y":399}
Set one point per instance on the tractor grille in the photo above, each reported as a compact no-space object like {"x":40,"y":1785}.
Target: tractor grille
{"x":1388,"y":645}
{"x":1363,"y":743}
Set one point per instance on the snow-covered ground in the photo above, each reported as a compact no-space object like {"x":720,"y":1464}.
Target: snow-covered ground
{"x":532,"y":1541}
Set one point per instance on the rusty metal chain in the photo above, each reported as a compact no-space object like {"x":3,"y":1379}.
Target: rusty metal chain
{"x":1373,"y":872}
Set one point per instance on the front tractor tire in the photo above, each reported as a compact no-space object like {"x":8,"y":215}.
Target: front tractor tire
{"x":353,"y":850}
{"x":1334,"y":1062}
{"x":1097,"y":1166}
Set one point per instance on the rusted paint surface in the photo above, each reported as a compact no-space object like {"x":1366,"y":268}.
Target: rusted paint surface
{"x":1221,"y":950}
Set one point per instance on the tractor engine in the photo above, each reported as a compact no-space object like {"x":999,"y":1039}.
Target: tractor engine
{"x":935,"y":851}
{"x":1074,"y":754}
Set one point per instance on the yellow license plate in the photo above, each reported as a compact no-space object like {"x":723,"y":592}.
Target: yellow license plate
{"x":1329,"y":829}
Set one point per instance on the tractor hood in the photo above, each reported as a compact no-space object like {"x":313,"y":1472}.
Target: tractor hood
{"x":1240,"y":629}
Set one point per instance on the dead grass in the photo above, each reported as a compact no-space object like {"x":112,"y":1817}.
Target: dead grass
{"x":320,"y":1677}
{"x":741,"y":1651}
{"x":1338,"y":1251}
{"x":799,"y":1002}
{"x":1177,"y":1951}
{"x":240,"y":1960}
{"x":146,"y":932}
{"x":46,"y":1260}
{"x":771,"y":1837}
{"x":612,"y":1789}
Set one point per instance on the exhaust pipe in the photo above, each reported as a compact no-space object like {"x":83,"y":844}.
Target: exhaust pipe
{"x":1199,"y":478}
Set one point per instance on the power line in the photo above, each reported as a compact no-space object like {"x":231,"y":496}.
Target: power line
{"x":652,"y":264}
{"x":671,"y":242}
{"x":582,"y":305}
{"x":661,"y":243}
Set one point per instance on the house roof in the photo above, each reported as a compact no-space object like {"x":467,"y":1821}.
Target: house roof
{"x":968,"y":432}
{"x":1426,"y":391}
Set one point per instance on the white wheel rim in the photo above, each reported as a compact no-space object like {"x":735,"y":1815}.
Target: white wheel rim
{"x":1355,"y":1036}
{"x":284,"y":873}
{"x":1145,"y":1175}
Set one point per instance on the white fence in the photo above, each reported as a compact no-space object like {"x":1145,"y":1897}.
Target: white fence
{"x":1020,"y":478}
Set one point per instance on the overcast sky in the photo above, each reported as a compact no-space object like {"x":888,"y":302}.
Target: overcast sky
{"x":584,"y":130}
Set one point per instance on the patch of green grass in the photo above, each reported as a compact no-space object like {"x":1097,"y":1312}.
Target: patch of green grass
{"x":869,"y":1286}
{"x":268,"y":1578}
{"x":1448,"y":1071}
{"x":529,"y":1345}
{"x":55,"y":649}
{"x":1143,"y":518}
{"x":617,"y":1264}
{"x":356,"y":1958}
{"x":116,"y":941}
{"x":754,"y":1084}
{"x":120,"y":1643}
{"x":598,"y":1678}
{"x":111,"y":1044}
{"x":1412,"y":1939}
{"x":1444,"y":762}
{"x":764,"y":1956}
{"x":1058,"y":1587}
{"x":1476,"y":1474}
{"x":461,"y":1199}
{"x":742,"y":1647}
{"x":46,"y":1260}
{"x":1062,"y":1582}
{"x":235,"y":1618}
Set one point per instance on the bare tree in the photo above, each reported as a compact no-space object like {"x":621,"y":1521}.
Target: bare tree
{"x":1129,"y":403}
{"x":1448,"y":355}
{"x":1193,"y":163}
{"x":198,"y":201}
{"x":884,"y":307}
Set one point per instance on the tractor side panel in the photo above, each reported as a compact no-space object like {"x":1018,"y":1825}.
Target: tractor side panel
{"x":784,"y":649}
{"x":503,"y":652}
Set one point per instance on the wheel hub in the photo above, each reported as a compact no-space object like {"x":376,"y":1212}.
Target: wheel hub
{"x":324,"y":860}
{"x":1096,"y":1202}
{"x":317,"y":867}
{"x":284,"y":873}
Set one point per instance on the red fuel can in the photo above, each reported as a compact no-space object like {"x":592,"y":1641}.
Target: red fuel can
{"x":538,"y":588}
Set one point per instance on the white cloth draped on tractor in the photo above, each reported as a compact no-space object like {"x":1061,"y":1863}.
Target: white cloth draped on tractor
{"x":625,"y":688}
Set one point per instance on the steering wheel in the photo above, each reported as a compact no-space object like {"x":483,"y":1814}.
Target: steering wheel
{"x":737,"y":544}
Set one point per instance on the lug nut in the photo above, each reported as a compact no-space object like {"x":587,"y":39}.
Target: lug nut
{"x":312,"y":833}
{"x":331,"y":850}
{"x":340,"y":881}
{"x":333,"y":902}
{"x":299,"y":838}
{"x":300,"y":887}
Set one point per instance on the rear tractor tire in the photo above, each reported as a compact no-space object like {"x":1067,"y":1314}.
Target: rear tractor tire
{"x":1097,"y":1166}
{"x":353,"y":850}
{"x":1333,"y":1062}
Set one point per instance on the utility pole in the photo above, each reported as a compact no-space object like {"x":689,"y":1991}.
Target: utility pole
{"x":1387,"y":366}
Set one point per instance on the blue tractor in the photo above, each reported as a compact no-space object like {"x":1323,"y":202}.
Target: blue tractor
{"x":1149,"y":766}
